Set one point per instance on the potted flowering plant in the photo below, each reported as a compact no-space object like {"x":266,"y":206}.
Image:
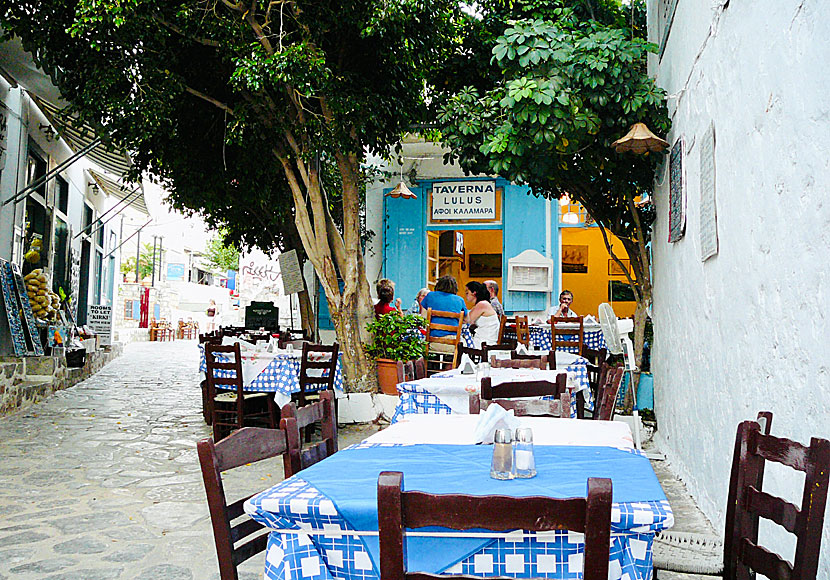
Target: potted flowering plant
{"x":396,"y":338}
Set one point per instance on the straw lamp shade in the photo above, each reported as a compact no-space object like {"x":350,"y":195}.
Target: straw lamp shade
{"x":401,"y":190}
{"x":639,"y":140}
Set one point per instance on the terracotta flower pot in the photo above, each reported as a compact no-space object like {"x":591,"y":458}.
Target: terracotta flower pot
{"x":387,"y":376}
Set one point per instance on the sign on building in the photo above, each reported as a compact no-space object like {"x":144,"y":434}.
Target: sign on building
{"x":175,"y":272}
{"x":99,"y":319}
{"x":292,"y":276}
{"x":464,"y":200}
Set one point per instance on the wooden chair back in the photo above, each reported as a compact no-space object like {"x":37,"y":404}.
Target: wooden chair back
{"x":292,"y":334}
{"x":605,"y":403}
{"x":567,"y":338}
{"x":420,"y":366}
{"x":549,"y":359}
{"x":559,"y":407}
{"x":743,"y":557}
{"x":477,"y":355}
{"x":225,"y":376}
{"x":522,"y":330}
{"x":400,"y":510}
{"x":531,"y":362}
{"x":440,"y":360}
{"x":248,"y":445}
{"x":322,"y":361}
{"x":294,"y":419}
{"x":511,"y":390}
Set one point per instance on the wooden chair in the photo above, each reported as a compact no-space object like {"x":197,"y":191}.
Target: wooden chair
{"x":533,"y":362}
{"x":559,"y":406}
{"x":605,"y":403}
{"x":742,"y":557}
{"x":522,"y":330}
{"x":318,"y":369}
{"x":293,"y":335}
{"x":420,"y":366}
{"x":405,"y":370}
{"x":441,"y":350}
{"x":502,"y":324}
{"x":549,"y":359}
{"x":571,"y":338}
{"x":400,"y":510}
{"x":476,"y":355}
{"x":296,"y":419}
{"x":234,"y":408}
{"x":248,"y":445}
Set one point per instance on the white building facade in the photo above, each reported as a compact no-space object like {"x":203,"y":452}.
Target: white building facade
{"x":741,"y":296}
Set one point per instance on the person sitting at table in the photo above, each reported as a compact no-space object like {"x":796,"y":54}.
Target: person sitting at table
{"x":416,"y":304}
{"x":493,"y":288}
{"x":445,"y":297}
{"x":386,"y":293}
{"x":482,"y":314}
{"x":566,"y":298}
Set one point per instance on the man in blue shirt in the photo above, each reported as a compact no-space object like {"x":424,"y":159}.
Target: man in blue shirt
{"x":445,"y":297}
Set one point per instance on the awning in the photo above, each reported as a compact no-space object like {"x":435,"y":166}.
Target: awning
{"x":122,"y":191}
{"x":78,"y":135}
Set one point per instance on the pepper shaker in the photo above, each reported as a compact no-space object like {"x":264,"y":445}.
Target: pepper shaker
{"x":502,"y":465}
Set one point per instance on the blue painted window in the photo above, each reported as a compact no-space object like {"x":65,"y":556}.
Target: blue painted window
{"x":404,"y":243}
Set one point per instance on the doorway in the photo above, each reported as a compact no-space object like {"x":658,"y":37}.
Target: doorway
{"x":83,"y":286}
{"x":466,"y":255}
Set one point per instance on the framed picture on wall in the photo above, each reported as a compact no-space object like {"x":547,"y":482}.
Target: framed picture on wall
{"x":614,"y":269}
{"x":574,"y":259}
{"x":677,"y":192}
{"x":619,"y":291}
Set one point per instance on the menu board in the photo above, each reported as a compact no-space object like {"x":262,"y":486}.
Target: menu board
{"x":292,"y":276}
{"x":677,"y":193}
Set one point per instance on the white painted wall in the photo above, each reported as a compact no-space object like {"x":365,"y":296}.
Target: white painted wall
{"x":748,"y":329}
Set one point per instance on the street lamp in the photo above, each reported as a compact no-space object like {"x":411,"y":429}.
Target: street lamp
{"x":639,"y":140}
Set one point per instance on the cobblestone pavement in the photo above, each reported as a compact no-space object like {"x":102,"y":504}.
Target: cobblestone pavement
{"x":101,"y":481}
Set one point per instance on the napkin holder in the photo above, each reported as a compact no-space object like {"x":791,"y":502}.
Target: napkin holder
{"x":495,"y":417}
{"x":466,"y":366}
{"x":521,"y":349}
{"x":589,"y":320}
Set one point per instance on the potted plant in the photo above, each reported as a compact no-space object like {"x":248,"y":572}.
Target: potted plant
{"x":396,"y":338}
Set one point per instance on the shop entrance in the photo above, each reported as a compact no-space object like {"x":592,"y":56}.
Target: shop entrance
{"x":465,"y":254}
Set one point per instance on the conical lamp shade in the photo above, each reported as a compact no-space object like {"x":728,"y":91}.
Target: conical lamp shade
{"x":639,"y":140}
{"x":401,"y":190}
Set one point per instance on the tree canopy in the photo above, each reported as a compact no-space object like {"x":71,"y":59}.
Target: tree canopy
{"x":241,"y":107}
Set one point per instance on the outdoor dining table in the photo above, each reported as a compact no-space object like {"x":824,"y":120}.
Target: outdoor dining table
{"x":449,"y":392}
{"x":323,"y":520}
{"x":275,"y":372}
{"x":540,"y":337}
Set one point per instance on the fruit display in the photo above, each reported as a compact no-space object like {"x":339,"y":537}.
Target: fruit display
{"x":45,"y":303}
{"x":35,"y":247}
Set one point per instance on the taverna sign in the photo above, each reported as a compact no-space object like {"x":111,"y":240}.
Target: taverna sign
{"x":463,"y":200}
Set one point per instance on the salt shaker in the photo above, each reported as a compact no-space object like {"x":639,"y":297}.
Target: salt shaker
{"x":502,"y":465}
{"x":524,"y":462}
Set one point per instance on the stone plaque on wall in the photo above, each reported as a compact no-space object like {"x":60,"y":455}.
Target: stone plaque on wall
{"x":708,"y":208}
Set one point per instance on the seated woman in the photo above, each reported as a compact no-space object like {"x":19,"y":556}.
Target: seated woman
{"x":443,"y":298}
{"x":386,"y":293}
{"x":482,"y":315}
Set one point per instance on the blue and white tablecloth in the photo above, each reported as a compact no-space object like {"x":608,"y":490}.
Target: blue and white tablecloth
{"x":281,"y":376}
{"x":540,"y":338}
{"x":418,"y":398}
{"x":323,"y":518}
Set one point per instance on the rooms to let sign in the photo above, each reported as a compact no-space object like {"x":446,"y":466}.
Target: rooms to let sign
{"x":462,"y":200}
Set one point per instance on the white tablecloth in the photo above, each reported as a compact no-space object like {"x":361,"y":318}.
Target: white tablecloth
{"x":459,"y":429}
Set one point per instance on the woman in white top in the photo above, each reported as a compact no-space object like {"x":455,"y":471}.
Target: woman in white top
{"x":482,"y":315}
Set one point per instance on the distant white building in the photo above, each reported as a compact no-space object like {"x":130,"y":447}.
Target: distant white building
{"x":742,"y":294}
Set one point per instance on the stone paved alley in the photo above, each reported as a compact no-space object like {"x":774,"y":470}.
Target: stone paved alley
{"x":101,"y":481}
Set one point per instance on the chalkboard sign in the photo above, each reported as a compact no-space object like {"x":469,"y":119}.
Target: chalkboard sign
{"x":677,"y":193}
{"x":262,"y":315}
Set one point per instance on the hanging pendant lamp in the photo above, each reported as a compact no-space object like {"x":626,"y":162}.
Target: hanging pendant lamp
{"x":401,"y":190}
{"x":639,"y":140}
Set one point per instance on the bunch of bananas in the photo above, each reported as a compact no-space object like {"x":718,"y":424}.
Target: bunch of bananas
{"x":45,"y":303}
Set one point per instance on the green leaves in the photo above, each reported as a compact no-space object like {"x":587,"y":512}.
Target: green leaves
{"x":397,"y":337}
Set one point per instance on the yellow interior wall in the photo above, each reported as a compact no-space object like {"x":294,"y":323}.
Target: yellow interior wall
{"x":475,"y":242}
{"x":591,"y":289}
